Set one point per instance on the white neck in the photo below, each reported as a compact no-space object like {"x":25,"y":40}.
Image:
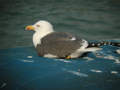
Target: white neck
{"x":38,"y":35}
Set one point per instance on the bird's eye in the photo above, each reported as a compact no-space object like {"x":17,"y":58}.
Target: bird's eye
{"x":38,"y":25}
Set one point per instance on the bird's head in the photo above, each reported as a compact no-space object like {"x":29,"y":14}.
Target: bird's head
{"x":40,"y":26}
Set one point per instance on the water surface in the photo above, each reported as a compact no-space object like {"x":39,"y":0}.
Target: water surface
{"x":90,"y":19}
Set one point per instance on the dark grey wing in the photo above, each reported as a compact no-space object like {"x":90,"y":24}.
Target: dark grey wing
{"x":58,"y":36}
{"x":59,"y":44}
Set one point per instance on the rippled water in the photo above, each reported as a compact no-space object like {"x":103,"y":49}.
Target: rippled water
{"x":22,"y":69}
{"x":90,"y":19}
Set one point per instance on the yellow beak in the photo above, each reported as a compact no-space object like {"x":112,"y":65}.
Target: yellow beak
{"x":30,"y":27}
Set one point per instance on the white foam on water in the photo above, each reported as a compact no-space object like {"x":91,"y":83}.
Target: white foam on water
{"x":88,"y":58}
{"x":28,"y":61}
{"x":118,"y":51}
{"x":97,"y":71}
{"x":109,"y":57}
{"x":117,"y":61}
{"x":63,"y":60}
{"x":114,"y":72}
{"x":77,"y":73}
{"x":29,"y":57}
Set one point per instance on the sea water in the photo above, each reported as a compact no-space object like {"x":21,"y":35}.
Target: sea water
{"x":22,"y":69}
{"x":89,"y":19}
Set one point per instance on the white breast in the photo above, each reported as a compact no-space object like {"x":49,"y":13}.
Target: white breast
{"x":39,"y":35}
{"x":36,"y":39}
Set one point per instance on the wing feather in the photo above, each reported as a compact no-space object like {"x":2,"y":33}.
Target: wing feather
{"x":59,"y":43}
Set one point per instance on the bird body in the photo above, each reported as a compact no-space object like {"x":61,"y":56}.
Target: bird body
{"x":51,"y":44}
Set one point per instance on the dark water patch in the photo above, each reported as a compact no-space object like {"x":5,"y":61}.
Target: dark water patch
{"x":82,"y":17}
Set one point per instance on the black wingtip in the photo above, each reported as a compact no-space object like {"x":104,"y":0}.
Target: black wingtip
{"x":102,"y":43}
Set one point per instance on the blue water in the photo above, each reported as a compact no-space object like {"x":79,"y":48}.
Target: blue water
{"x":22,"y":69}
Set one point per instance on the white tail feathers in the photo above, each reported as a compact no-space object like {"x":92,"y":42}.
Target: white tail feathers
{"x":92,"y":49}
{"x":80,"y":52}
